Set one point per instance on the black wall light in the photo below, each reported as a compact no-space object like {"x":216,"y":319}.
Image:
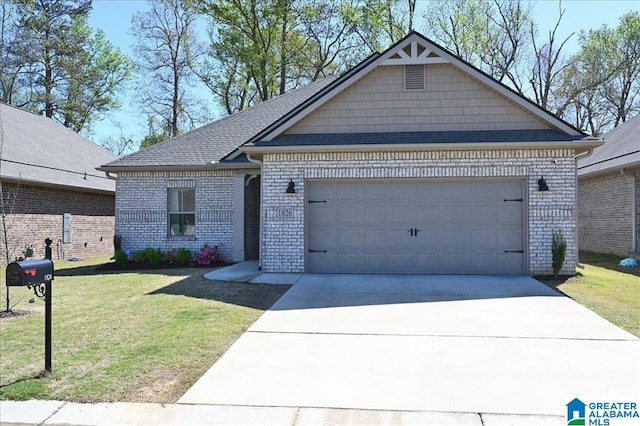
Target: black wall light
{"x":291,"y":189}
{"x":542,"y":184}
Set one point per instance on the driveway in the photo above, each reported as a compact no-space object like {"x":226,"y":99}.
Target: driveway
{"x":481,"y":344}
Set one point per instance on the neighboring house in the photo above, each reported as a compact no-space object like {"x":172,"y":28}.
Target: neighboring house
{"x":608,"y":202}
{"x":50,"y":188}
{"x":412,"y":162}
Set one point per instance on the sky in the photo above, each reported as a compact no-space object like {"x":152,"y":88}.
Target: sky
{"x":114,"y":17}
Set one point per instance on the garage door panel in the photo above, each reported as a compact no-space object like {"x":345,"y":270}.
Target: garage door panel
{"x":454,"y":214}
{"x":403,"y":213}
{"x":349,"y":214}
{"x":322,"y":214}
{"x":453,"y":241}
{"x":510,"y":190}
{"x":431,"y":192}
{"x":464,"y":226}
{"x":510,"y":213}
{"x":401,"y":191}
{"x":348,"y":191}
{"x":509,"y":239}
{"x":427,"y":214}
{"x":480,"y":214}
{"x":376,"y":214}
{"x":483,"y":240}
{"x":482,"y":191}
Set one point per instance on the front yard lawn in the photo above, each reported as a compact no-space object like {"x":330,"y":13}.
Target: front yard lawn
{"x":124,"y":336}
{"x":611,"y":291}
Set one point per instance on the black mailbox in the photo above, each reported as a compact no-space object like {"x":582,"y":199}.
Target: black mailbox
{"x":29,"y":272}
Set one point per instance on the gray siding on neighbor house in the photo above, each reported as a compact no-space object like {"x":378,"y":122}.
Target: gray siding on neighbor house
{"x":284,"y":214}
{"x":605,"y":213}
{"x":450,"y":101}
{"x":141,"y":209}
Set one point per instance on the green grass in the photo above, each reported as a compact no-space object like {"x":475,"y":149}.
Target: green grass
{"x":609,"y":290}
{"x":134,"y":336}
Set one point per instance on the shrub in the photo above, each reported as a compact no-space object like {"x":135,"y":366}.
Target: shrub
{"x":558,"y":251}
{"x":117,"y":243}
{"x":181,"y":256}
{"x":139,"y":256}
{"x":207,"y":255}
{"x":120,"y":257}
{"x":184,"y":256}
{"x":153,"y":256}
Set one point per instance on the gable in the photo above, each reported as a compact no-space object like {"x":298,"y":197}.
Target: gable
{"x":450,"y":101}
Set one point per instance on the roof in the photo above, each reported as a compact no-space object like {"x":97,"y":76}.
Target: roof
{"x":215,"y":141}
{"x":392,"y":138}
{"x":621,"y":150}
{"x":37,"y":150}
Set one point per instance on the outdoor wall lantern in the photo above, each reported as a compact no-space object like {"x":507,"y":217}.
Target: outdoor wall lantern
{"x":542,"y":184}
{"x":291,"y":189}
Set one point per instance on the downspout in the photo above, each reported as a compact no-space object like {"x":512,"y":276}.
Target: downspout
{"x":259,"y":162}
{"x":634,"y":208}
{"x":575,"y":210}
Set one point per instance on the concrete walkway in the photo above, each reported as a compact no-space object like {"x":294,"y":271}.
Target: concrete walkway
{"x":126,"y":414}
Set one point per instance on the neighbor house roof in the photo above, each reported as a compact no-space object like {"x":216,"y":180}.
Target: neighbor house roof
{"x":621,"y":150}
{"x":37,"y":150}
{"x":213,"y":142}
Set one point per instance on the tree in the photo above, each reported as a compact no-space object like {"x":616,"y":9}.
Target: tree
{"x":493,"y":36}
{"x":601,"y":87}
{"x":10,"y":67}
{"x":260,"y":49}
{"x":548,"y":65}
{"x":166,"y":49}
{"x":380,"y":23}
{"x":61,"y":68}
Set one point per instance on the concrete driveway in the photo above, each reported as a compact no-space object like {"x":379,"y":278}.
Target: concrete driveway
{"x":492,"y":344}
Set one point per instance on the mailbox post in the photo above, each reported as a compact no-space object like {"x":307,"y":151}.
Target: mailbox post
{"x":37,"y":275}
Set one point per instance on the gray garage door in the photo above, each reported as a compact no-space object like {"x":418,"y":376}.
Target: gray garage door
{"x":434,"y":227}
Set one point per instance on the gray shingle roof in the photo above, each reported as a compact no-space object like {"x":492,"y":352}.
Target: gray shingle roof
{"x":534,"y":135}
{"x":36,"y":149}
{"x":216,"y":140}
{"x":621,"y":149}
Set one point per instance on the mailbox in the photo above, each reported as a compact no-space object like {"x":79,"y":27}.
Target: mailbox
{"x":29,"y":272}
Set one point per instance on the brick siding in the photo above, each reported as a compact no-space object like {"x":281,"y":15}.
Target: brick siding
{"x":142,"y":217}
{"x":605,"y":213}
{"x":35,"y":213}
{"x":283,"y":235}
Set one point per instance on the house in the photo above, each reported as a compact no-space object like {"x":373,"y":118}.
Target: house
{"x":608,"y":181}
{"x":413,"y":161}
{"x":50,"y":189}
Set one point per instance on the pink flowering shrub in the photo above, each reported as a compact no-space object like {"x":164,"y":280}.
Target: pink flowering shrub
{"x":207,"y":255}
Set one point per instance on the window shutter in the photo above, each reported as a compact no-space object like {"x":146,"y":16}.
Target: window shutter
{"x":414,"y":77}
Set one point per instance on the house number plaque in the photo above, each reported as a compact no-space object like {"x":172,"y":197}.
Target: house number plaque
{"x":284,"y":212}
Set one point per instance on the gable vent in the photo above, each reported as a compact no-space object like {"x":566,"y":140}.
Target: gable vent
{"x":414,"y":77}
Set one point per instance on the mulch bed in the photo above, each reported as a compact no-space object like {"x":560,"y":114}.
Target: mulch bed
{"x":13,"y":313}
{"x":136,"y":266}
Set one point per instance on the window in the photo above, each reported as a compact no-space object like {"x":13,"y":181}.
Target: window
{"x":182,"y":212}
{"x":414,"y":77}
